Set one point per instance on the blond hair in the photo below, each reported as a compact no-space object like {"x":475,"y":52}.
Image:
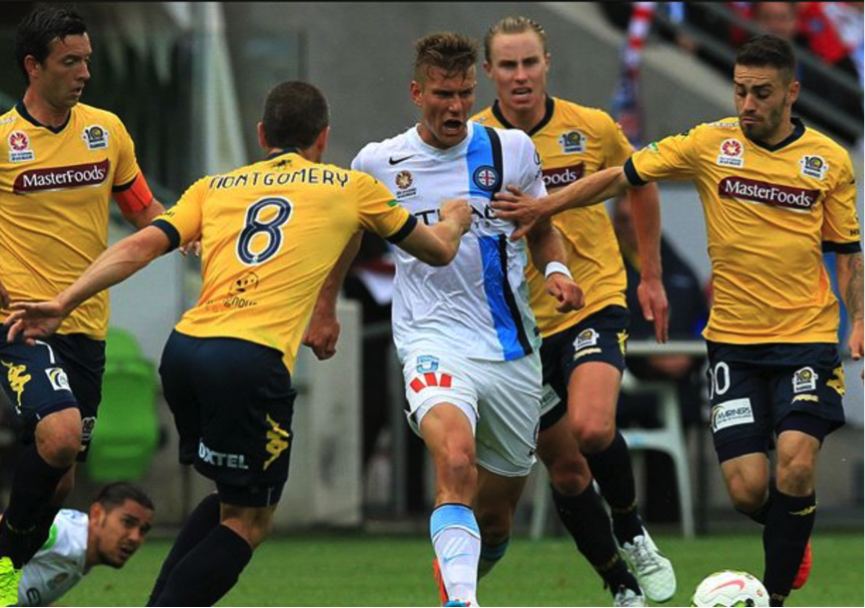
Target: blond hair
{"x":513,"y":25}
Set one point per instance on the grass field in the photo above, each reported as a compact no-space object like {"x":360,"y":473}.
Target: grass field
{"x":386,"y":571}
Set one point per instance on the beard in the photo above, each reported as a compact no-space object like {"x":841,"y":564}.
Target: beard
{"x":768,"y":127}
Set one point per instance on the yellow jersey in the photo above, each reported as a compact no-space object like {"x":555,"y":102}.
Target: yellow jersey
{"x":770,"y":213}
{"x":55,"y":187}
{"x":575,"y":141}
{"x":270,"y":234}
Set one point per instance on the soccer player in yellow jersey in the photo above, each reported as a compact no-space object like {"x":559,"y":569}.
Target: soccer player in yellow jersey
{"x":776,"y":195}
{"x":583,"y":351}
{"x":270,"y":234}
{"x":60,"y":164}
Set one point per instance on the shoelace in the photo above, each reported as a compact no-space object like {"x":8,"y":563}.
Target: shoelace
{"x":644,"y":560}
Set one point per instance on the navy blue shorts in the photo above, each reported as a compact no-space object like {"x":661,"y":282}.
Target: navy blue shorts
{"x":759,"y":391}
{"x":233,"y":404}
{"x":58,"y":373}
{"x":601,"y":337}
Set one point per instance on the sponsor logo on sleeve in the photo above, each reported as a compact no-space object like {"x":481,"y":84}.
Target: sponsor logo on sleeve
{"x":573,"y":142}
{"x":732,"y":153}
{"x":19,"y":147}
{"x":814,"y":166}
{"x":764,"y":193}
{"x":732,"y":413}
{"x":96,"y":137}
{"x":805,"y":380}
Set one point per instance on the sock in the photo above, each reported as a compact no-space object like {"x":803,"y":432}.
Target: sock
{"x":201,"y":521}
{"x":490,"y":556}
{"x":42,"y":531}
{"x":788,"y":529}
{"x":456,"y":539}
{"x":612,"y":470}
{"x":208,"y":571}
{"x":32,"y":488}
{"x":587,"y":522}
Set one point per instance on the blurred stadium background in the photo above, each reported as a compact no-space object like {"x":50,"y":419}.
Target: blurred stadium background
{"x":189,"y":79}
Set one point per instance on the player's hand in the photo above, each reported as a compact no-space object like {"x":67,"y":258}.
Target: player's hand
{"x":321,"y":335}
{"x":566,"y":291}
{"x":4,"y":297}
{"x":656,"y":309}
{"x":33,"y":320}
{"x":515,"y":206}
{"x":193,"y":247}
{"x":855,"y":344}
{"x":459,"y":211}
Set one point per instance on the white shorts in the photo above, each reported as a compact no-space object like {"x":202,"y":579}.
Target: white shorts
{"x":502,"y":400}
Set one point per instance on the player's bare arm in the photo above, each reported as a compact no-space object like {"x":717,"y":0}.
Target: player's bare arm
{"x":41,"y":319}
{"x":438,"y":245}
{"x":323,"y":331}
{"x":550,"y":258}
{"x":646,"y":209}
{"x":514,"y":205}
{"x":850,"y":283}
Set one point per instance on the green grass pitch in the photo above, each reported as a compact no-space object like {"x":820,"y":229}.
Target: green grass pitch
{"x":355,"y":570}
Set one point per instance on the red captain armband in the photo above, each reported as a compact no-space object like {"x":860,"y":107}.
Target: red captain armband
{"x":134,"y":196}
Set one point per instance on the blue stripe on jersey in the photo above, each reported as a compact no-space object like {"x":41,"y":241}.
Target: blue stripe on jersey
{"x":479,"y":154}
{"x":506,"y":318}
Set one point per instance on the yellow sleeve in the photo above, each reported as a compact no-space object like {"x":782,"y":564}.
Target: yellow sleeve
{"x":672,"y":158}
{"x":380,"y":212}
{"x":841,"y":230}
{"x":617,"y":148}
{"x":127,"y":164}
{"x":182,"y":223}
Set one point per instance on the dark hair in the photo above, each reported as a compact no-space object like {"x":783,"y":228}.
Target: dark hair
{"x":513,"y":25}
{"x":295,"y":114}
{"x":116,"y":494}
{"x":40,"y":27}
{"x":455,"y":54}
{"x":769,"y":51}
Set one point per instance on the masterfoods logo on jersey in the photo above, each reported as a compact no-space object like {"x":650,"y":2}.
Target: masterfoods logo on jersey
{"x":19,"y":147}
{"x":563,"y":176}
{"x":62,"y":178}
{"x":754,"y":191}
{"x":732,"y":152}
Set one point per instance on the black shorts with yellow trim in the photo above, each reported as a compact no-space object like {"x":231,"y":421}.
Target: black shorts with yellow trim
{"x":57,"y":373}
{"x":233,"y":405}
{"x":759,"y":391}
{"x":600,"y":337}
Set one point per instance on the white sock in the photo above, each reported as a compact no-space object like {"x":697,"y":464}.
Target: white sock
{"x":457,"y":543}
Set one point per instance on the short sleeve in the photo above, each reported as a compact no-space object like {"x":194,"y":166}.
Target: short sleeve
{"x":379,"y":211}
{"x":127,"y":164}
{"x":672,"y":158}
{"x":617,"y":148}
{"x":182,"y":223}
{"x":531,"y":170}
{"x":841,"y":231}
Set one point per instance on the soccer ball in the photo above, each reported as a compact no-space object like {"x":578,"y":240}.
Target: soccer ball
{"x":729,"y":588}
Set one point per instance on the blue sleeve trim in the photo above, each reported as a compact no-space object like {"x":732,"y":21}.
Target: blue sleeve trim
{"x":170,"y":231}
{"x":631,"y":174}
{"x":403,"y":232}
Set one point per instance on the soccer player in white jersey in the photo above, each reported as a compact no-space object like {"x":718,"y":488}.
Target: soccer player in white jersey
{"x":110,"y":534}
{"x":465,"y":334}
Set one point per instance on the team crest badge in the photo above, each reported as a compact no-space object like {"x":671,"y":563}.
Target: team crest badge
{"x":245,"y":284}
{"x":805,"y":380}
{"x":95,"y":137}
{"x":19,"y":147}
{"x":732,"y":153}
{"x":573,"y":142}
{"x":58,"y":379}
{"x":486,"y":178}
{"x":587,"y":338}
{"x":814,"y":166}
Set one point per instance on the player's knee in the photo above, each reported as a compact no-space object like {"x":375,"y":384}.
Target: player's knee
{"x":796,"y":477}
{"x":62,"y":450}
{"x":570,"y":476}
{"x":747,"y":496}
{"x":594,"y":435}
{"x":495,"y":524}
{"x":458,"y":463}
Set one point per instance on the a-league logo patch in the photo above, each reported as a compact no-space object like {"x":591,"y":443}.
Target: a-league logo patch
{"x":814,"y":166}
{"x":95,"y":137}
{"x":404,"y":181}
{"x":732,"y":152}
{"x":586,"y":339}
{"x":19,"y":147}
{"x":58,"y":379}
{"x":486,"y":178}
{"x":573,"y":142}
{"x":805,"y":380}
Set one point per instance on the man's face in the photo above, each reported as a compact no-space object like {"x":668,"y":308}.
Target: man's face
{"x":121,"y":531}
{"x":778,"y":18}
{"x":446,"y":104}
{"x":61,"y":77}
{"x":764,"y":99}
{"x":518,"y":67}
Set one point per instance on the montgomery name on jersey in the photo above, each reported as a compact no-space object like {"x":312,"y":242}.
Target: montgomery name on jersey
{"x":55,"y":188}
{"x":478,"y":305}
{"x":574,"y":142}
{"x":771,"y":212}
{"x":60,"y":563}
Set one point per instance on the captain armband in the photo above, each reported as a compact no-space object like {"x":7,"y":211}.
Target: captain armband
{"x":134,"y":196}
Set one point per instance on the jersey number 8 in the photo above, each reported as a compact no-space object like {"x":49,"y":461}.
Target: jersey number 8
{"x":253,"y":226}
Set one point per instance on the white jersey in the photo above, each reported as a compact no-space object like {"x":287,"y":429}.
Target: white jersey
{"x":478,"y":305}
{"x":60,"y":563}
